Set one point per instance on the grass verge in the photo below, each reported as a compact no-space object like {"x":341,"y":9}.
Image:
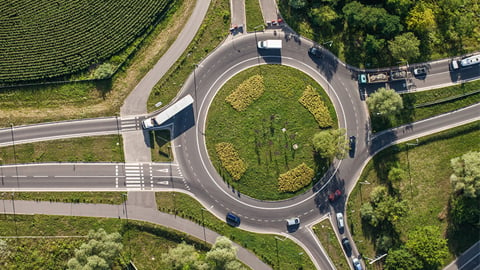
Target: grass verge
{"x":253,"y":13}
{"x":427,"y":194}
{"x":326,"y":235}
{"x":411,"y":101}
{"x":257,"y":132}
{"x":289,"y":256}
{"x":66,"y":197}
{"x":143,"y":242}
{"x":212,"y":31}
{"x":23,"y":105}
{"x":86,"y":149}
{"x":161,"y":151}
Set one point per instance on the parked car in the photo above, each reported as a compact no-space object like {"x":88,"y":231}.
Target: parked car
{"x":346,"y":246}
{"x":293,"y":224}
{"x":356,"y":264}
{"x":334,"y":195}
{"x":420,"y":71}
{"x":315,"y":52}
{"x":340,"y":221}
{"x":232,"y":219}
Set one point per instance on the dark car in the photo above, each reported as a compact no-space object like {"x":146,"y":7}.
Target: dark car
{"x":346,"y":246}
{"x":352,"y":142}
{"x":315,"y":52}
{"x":420,"y":71}
{"x":232,"y":219}
{"x":334,"y":195}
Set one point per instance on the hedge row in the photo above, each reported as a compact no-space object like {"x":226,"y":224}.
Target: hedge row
{"x":295,"y":179}
{"x":314,"y":104}
{"x":231,"y":160}
{"x":246,"y":93}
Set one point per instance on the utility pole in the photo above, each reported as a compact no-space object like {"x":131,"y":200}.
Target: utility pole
{"x":203,"y":224}
{"x":408,"y":166}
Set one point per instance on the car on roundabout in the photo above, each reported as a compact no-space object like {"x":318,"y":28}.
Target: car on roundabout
{"x":232,"y":219}
{"x":314,"y":51}
{"x":293,"y":224}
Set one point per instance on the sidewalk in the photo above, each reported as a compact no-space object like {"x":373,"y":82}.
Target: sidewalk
{"x":134,"y":212}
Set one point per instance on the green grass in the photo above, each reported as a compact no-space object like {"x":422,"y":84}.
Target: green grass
{"x":263,"y":245}
{"x":253,"y":14}
{"x":257,"y":134}
{"x":143,"y":242}
{"x":429,"y":193}
{"x":410,"y":113}
{"x":160,"y":140}
{"x":107,"y":148}
{"x":67,"y":197}
{"x":34,"y":104}
{"x":326,"y":235}
{"x":212,"y":31}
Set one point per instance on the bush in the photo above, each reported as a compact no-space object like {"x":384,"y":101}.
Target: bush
{"x":231,"y":160}
{"x":314,"y":104}
{"x":246,"y":93}
{"x":295,"y":179}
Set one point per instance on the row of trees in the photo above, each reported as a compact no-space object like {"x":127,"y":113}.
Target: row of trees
{"x":384,"y":32}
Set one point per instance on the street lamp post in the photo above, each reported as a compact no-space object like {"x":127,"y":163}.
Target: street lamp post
{"x":276,"y":246}
{"x":408,"y":166}
{"x":195,"y":85}
{"x":14,"y":216}
{"x":203,"y":224}
{"x":256,"y":42}
{"x":126,"y":218}
{"x":14,"y":153}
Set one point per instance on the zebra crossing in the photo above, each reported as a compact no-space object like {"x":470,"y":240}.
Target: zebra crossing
{"x":134,"y":176}
{"x":130,"y":124}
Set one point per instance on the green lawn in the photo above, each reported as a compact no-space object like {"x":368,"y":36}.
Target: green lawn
{"x":427,"y":195}
{"x":86,"y":149}
{"x":67,"y":197}
{"x":253,"y":14}
{"x":161,"y":152}
{"x":257,"y":135}
{"x":143,"y":242}
{"x":290,"y":255}
{"x":213,"y":30}
{"x":414,"y":111}
{"x":326,"y":235}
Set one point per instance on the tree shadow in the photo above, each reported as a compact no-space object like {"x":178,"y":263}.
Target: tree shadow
{"x":104,"y":86}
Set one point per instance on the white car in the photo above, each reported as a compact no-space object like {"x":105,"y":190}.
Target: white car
{"x":340,"y":221}
{"x":293,"y":221}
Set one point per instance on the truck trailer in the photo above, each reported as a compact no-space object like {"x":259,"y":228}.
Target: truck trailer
{"x":168,"y":113}
{"x":270,"y":44}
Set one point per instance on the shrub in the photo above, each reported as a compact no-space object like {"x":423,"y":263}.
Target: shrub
{"x":295,"y":179}
{"x":231,"y":160}
{"x":314,"y":104}
{"x":246,"y":93}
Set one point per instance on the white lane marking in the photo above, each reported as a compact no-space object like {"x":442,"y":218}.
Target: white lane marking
{"x":163,"y":170}
{"x":40,"y":176}
{"x":162,"y":182}
{"x":134,"y":182}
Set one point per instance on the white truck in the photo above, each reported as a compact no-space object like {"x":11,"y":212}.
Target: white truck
{"x":270,"y":44}
{"x":167,"y":113}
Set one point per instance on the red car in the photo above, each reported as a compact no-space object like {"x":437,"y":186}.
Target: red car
{"x":334,"y":195}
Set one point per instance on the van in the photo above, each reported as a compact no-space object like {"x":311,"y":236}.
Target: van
{"x":454,"y":65}
{"x":232,"y":219}
{"x":270,"y":44}
{"x":293,"y":224}
{"x":340,"y":221}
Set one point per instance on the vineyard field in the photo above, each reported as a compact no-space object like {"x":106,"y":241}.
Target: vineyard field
{"x":41,"y":39}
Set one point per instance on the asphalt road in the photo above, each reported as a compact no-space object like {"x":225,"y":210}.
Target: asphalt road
{"x":195,"y":172}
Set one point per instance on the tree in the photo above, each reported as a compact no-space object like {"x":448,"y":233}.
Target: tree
{"x":382,"y":207}
{"x":104,"y":71}
{"x":331,"y":143}
{"x":183,"y":256}
{"x":396,"y":175}
{"x":297,"y":4}
{"x":223,"y":255}
{"x":421,"y":18}
{"x":405,"y":47}
{"x":400,"y":7}
{"x":323,"y":17}
{"x":384,"y":243}
{"x":385,"y":102}
{"x":99,"y":253}
{"x":464,"y":210}
{"x":466,"y":174}
{"x":426,"y":243}
{"x":402,"y":259}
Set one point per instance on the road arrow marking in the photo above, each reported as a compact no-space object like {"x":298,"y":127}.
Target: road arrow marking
{"x":163,"y":182}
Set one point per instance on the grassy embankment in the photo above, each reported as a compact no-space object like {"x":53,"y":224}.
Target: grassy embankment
{"x":425,"y":104}
{"x":24,"y":105}
{"x":427,"y":195}
{"x":263,"y":245}
{"x":257,"y":135}
{"x":253,"y":14}
{"x":326,"y":235}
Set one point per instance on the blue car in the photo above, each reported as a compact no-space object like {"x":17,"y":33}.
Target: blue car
{"x":232,"y":219}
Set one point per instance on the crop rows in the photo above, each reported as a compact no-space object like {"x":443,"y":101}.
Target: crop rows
{"x":43,"y":38}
